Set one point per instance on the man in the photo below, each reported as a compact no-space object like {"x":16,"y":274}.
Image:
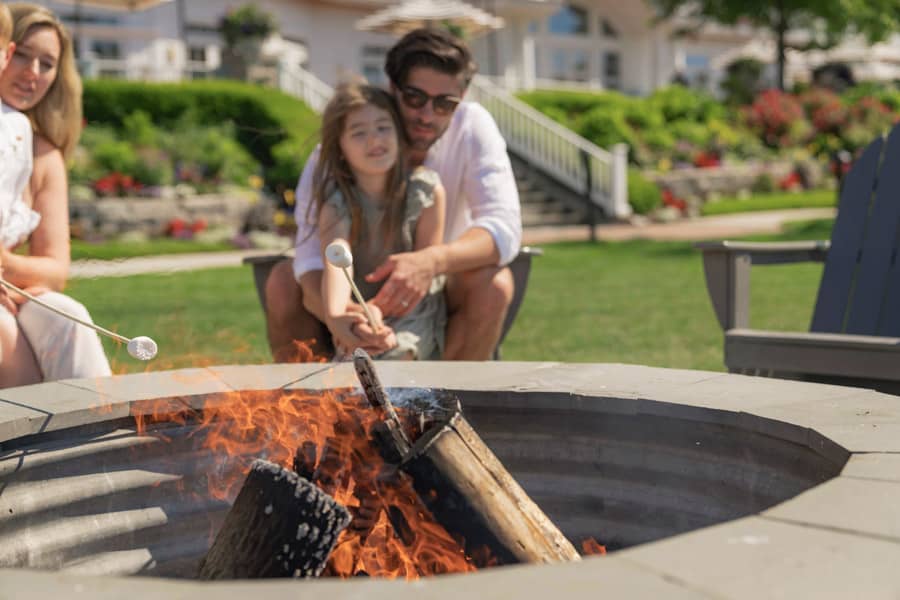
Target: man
{"x":429,"y":71}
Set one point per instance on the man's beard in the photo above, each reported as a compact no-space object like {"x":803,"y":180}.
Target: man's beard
{"x":423,"y":143}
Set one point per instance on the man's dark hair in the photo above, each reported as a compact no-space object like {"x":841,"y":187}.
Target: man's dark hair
{"x":433,"y":48}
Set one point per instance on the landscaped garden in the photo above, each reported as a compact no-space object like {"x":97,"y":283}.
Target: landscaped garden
{"x":189,"y":160}
{"x":633,"y":302}
{"x":689,"y":150}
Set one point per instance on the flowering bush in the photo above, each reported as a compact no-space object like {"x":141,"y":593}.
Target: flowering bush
{"x":774,"y":116}
{"x":116,"y":184}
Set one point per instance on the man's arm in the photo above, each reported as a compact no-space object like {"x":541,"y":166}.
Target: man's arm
{"x":496,"y":232}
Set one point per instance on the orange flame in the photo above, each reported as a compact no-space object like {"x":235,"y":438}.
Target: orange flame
{"x":324,"y":437}
{"x":591,"y":546}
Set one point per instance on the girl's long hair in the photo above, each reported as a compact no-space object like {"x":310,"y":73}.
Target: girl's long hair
{"x":334,"y":173}
{"x":58,"y":115}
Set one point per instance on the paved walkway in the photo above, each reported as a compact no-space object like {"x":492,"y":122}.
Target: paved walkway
{"x":701,"y":228}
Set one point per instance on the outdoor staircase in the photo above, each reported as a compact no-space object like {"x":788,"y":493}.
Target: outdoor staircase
{"x":543,"y":202}
{"x":561,"y":176}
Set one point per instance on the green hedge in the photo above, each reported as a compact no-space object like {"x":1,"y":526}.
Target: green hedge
{"x":277,"y":129}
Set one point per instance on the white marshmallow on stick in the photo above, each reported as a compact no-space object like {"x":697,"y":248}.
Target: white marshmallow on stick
{"x":338,"y":254}
{"x":141,"y":347}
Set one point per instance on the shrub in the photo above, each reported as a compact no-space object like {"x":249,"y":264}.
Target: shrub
{"x":777,"y":117}
{"x":677,"y":103}
{"x":262,"y":118}
{"x":643,"y":195}
{"x":606,"y":127}
{"x":246,"y":22}
{"x":211,"y":155}
{"x":763,"y":184}
{"x":743,"y":80}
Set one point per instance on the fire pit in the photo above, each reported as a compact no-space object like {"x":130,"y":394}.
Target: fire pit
{"x":776,"y":487}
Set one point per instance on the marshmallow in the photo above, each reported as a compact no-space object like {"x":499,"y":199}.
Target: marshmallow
{"x":142,"y":347}
{"x":338,"y":254}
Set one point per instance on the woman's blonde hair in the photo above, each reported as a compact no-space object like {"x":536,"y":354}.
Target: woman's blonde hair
{"x":334,"y":173}
{"x":58,"y":115}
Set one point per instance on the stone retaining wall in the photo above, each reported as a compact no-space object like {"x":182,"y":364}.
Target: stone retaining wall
{"x":110,"y":217}
{"x":704,"y":184}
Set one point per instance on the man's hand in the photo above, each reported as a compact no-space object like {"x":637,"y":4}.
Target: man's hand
{"x":408,"y":275}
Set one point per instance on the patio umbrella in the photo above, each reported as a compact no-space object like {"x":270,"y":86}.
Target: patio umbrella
{"x":412,"y":14}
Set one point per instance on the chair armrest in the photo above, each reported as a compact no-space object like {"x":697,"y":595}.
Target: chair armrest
{"x":727,"y":265}
{"x":771,"y":253}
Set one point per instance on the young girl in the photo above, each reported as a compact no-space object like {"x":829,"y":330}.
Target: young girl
{"x":365,"y":197}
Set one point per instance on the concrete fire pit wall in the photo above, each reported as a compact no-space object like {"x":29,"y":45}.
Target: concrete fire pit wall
{"x":624,"y":453}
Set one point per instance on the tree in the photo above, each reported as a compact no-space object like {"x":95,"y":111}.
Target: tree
{"x":824,"y":22}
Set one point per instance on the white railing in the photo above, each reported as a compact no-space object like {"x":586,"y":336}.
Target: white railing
{"x":545,"y":143}
{"x":557,"y":150}
{"x":304,"y":85}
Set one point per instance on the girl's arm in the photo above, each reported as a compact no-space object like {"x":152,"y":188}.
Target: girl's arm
{"x":335,"y":287}
{"x":430,"y":228}
{"x":47,"y":264}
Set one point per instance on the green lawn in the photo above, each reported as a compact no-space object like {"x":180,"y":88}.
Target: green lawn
{"x":111,"y":250}
{"x":632,"y":302}
{"x":774,"y":201}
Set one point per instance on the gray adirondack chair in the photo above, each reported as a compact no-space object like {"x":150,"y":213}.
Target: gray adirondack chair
{"x":854,"y":337}
{"x":520,"y":267}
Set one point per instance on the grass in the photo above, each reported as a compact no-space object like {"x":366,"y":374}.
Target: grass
{"x":111,"y":250}
{"x":632,"y":302}
{"x":776,"y":201}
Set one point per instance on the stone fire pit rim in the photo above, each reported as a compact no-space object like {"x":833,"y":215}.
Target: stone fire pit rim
{"x":838,"y":539}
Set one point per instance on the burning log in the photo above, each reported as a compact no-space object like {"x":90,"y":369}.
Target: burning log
{"x":279,"y":526}
{"x":464,"y":485}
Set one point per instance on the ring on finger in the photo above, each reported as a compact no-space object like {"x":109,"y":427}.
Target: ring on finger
{"x":405,"y":303}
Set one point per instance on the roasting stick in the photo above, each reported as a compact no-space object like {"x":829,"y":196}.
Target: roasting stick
{"x":141,"y":347}
{"x":339,"y":255}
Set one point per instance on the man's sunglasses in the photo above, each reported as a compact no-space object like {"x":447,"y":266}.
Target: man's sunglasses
{"x":416,"y":98}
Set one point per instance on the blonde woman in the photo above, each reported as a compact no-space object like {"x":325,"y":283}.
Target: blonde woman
{"x":42,"y":82}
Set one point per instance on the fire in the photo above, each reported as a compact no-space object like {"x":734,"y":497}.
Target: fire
{"x":324,"y":437}
{"x":591,"y":546}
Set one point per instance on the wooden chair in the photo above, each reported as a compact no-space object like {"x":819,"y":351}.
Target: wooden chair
{"x":854,"y":337}
{"x":520,"y":267}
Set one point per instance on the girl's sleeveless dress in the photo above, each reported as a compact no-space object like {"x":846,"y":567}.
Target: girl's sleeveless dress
{"x":420,"y":334}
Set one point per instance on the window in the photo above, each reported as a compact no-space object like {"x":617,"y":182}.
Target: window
{"x":570,"y":20}
{"x":105,"y":49}
{"x":372,"y":64}
{"x":612,"y":70}
{"x":607,"y":29}
{"x":197,"y":54}
{"x":570,"y":65}
{"x":696,"y":62}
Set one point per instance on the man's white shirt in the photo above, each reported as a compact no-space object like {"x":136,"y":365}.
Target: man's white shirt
{"x":471,"y":159}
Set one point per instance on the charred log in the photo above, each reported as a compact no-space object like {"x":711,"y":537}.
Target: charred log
{"x":463,"y":484}
{"x":472,"y":494}
{"x":280,"y":525}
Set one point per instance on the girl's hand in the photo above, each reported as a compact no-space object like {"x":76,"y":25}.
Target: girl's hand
{"x":341,"y":328}
{"x":374,"y":341}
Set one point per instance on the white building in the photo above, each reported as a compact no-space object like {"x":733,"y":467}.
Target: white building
{"x":600,"y":44}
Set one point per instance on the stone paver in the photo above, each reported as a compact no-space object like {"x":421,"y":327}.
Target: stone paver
{"x":876,"y":511}
{"x":840,"y":539}
{"x":757,"y":558}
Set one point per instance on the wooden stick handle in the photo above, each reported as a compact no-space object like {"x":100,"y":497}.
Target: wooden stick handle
{"x":63,"y":313}
{"x":361,"y":301}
